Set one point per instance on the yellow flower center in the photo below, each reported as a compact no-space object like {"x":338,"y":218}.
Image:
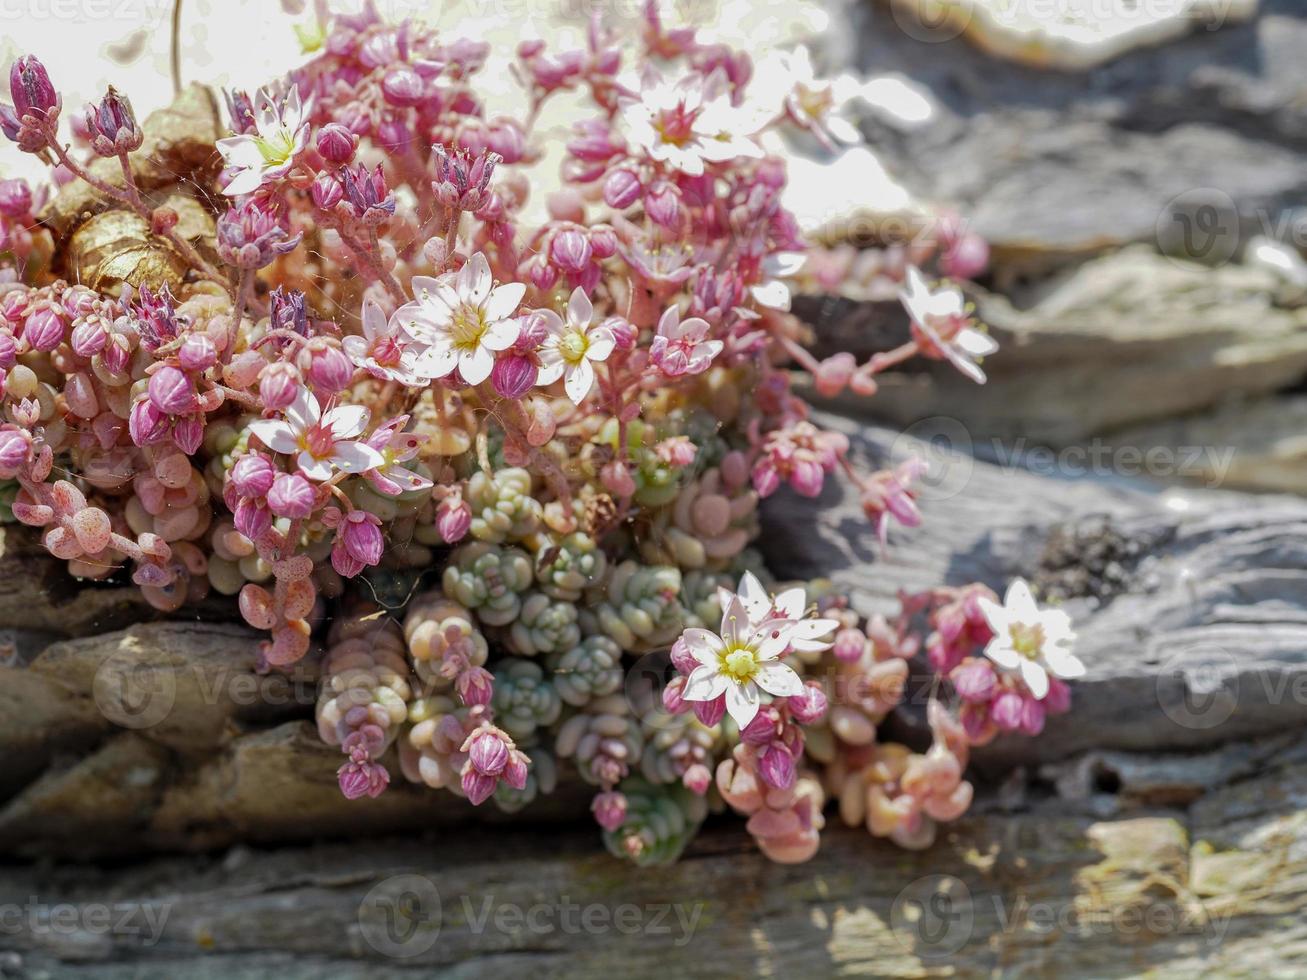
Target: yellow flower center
{"x":1027,"y":639}
{"x":468,"y":327}
{"x":276,"y":149}
{"x":740,"y":664}
{"x":573,"y":346}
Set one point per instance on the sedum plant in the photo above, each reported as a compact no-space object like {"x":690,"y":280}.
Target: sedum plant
{"x":338,"y":359}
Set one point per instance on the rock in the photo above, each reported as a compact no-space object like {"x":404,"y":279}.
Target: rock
{"x":1067,"y":36}
{"x":183,"y":685}
{"x":1188,"y":613}
{"x":1125,"y":339}
{"x":1207,"y":888}
{"x":37,"y":593}
{"x":1052,"y":167}
{"x":1259,"y":444}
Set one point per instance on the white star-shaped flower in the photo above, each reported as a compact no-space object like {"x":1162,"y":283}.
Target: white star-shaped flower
{"x":1030,"y":641}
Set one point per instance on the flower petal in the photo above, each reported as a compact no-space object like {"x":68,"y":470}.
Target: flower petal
{"x":347,"y":421}
{"x":276,"y":435}
{"x":503,"y":301}
{"x":1036,"y":678}
{"x":779,"y":679}
{"x":743,"y":702}
{"x":580,"y":379}
{"x":999,"y":651}
{"x":704,"y":684}
{"x":356,"y":457}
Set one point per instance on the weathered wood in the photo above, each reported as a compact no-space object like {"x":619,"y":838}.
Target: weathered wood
{"x":1104,"y":885}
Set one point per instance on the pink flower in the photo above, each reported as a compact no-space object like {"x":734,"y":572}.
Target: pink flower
{"x":267,"y":154}
{"x":943,"y":327}
{"x":682,"y":346}
{"x":461,"y":320}
{"x":572,"y":347}
{"x":321,"y":442}
{"x":889,"y":494}
{"x":801,"y":454}
{"x":383,"y":350}
{"x":396,"y":448}
{"x":686,"y":124}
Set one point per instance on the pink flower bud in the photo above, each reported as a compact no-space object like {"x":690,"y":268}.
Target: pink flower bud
{"x":1006,"y":711}
{"x":329,"y":371}
{"x":477,"y":786}
{"x":171,"y":391}
{"x":810,"y":706}
{"x":188,"y":433}
{"x":252,"y":475}
{"x":975,"y":682}
{"x":279,"y":383}
{"x":487,"y":753}
{"x":663,"y":205}
{"x":475,"y":686}
{"x":570,"y":251}
{"x":15,"y":451}
{"x":336,"y":143}
{"x":89,"y":338}
{"x":403,"y":87}
{"x":291,"y":496}
{"x":777,"y":767}
{"x":850,"y":645}
{"x":326,"y":191}
{"x":31,"y":89}
{"x":609,"y":809}
{"x":516,"y":771}
{"x":682,"y":659}
{"x":673,"y":702}
{"x":360,"y":777}
{"x":251,"y":518}
{"x":361,"y":533}
{"x":697,"y":779}
{"x":44,"y":330}
{"x":513,"y":375}
{"x":453,"y":519}
{"x":1032,"y":716}
{"x":197,"y":353}
{"x":625,"y":333}
{"x":146,"y":424}
{"x":542,"y":274}
{"x":710,"y":712}
{"x":1058,"y":698}
{"x":621,"y":189}
{"x":15,"y":198}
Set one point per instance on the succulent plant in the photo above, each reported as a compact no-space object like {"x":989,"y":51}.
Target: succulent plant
{"x":569,"y":566}
{"x":591,"y":669}
{"x":660,"y":822}
{"x":639,"y":606}
{"x":502,"y":506}
{"x":489,"y":579}
{"x":524,"y":699}
{"x":544,"y":625}
{"x":707,"y":525}
{"x":443,"y":640}
{"x":542,"y":779}
{"x":603,"y":741}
